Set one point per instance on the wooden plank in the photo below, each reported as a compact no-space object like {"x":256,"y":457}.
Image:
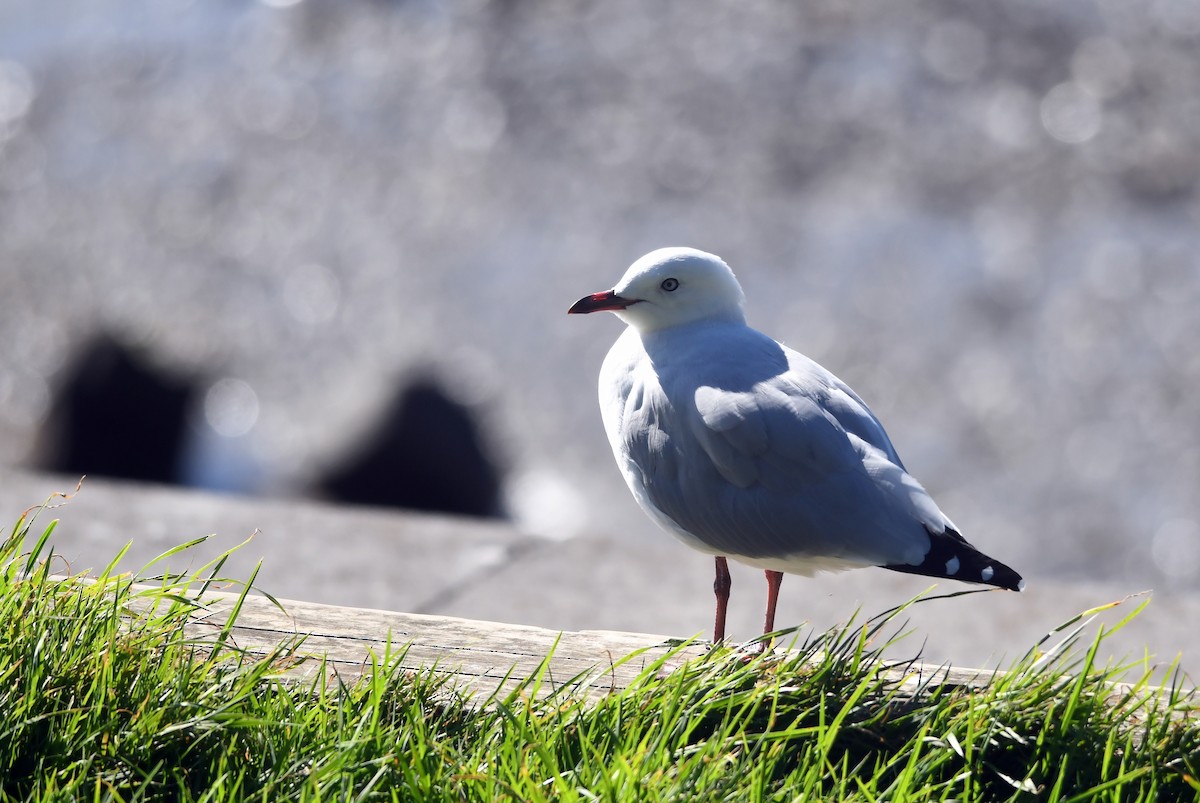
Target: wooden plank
{"x":481,"y":658}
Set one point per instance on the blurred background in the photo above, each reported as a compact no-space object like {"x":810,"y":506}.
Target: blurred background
{"x":326,"y":248}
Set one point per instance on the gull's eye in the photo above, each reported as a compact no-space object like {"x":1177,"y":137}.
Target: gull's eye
{"x":669,"y":284}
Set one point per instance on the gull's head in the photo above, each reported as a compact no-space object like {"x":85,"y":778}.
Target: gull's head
{"x":671,"y":287}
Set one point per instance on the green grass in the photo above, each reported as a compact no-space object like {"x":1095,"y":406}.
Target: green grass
{"x":103,"y":696}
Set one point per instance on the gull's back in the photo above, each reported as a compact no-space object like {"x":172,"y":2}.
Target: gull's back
{"x":743,"y":447}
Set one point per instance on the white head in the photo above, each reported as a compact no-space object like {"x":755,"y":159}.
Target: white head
{"x":669,"y":287}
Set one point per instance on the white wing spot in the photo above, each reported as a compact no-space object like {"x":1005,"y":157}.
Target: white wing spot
{"x":952,"y":566}
{"x":986,"y":574}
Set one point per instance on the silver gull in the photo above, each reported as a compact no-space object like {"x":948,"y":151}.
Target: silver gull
{"x":743,"y":448}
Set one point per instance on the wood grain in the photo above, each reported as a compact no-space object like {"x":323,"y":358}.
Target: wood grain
{"x":482,"y":659}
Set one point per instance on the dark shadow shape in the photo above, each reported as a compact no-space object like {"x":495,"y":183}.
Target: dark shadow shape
{"x":426,"y":454}
{"x":117,"y":415}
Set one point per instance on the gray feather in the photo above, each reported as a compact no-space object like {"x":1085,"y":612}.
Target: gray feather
{"x":767,"y":455}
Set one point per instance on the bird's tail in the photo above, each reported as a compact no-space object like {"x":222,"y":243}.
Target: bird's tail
{"x":950,"y":556}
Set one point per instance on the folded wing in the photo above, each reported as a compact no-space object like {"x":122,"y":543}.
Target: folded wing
{"x":795,"y":465}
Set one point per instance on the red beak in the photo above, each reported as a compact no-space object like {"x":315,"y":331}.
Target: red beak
{"x":600,"y":302}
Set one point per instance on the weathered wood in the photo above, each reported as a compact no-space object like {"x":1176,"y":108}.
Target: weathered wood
{"x":481,"y":658}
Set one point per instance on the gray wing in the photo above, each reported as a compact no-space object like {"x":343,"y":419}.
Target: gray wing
{"x":794,"y":465}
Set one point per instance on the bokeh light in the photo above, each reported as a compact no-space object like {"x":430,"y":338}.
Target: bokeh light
{"x":984,"y":217}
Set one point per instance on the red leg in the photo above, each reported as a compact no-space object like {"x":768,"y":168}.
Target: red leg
{"x":721,"y":587}
{"x":773,"y":581}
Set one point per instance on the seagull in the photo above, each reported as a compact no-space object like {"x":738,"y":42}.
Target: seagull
{"x":743,"y":448}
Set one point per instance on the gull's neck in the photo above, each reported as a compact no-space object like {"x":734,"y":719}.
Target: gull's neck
{"x":730,"y":316}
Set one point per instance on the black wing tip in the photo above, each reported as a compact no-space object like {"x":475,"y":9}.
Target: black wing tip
{"x":1006,"y":578}
{"x":951,"y":557}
